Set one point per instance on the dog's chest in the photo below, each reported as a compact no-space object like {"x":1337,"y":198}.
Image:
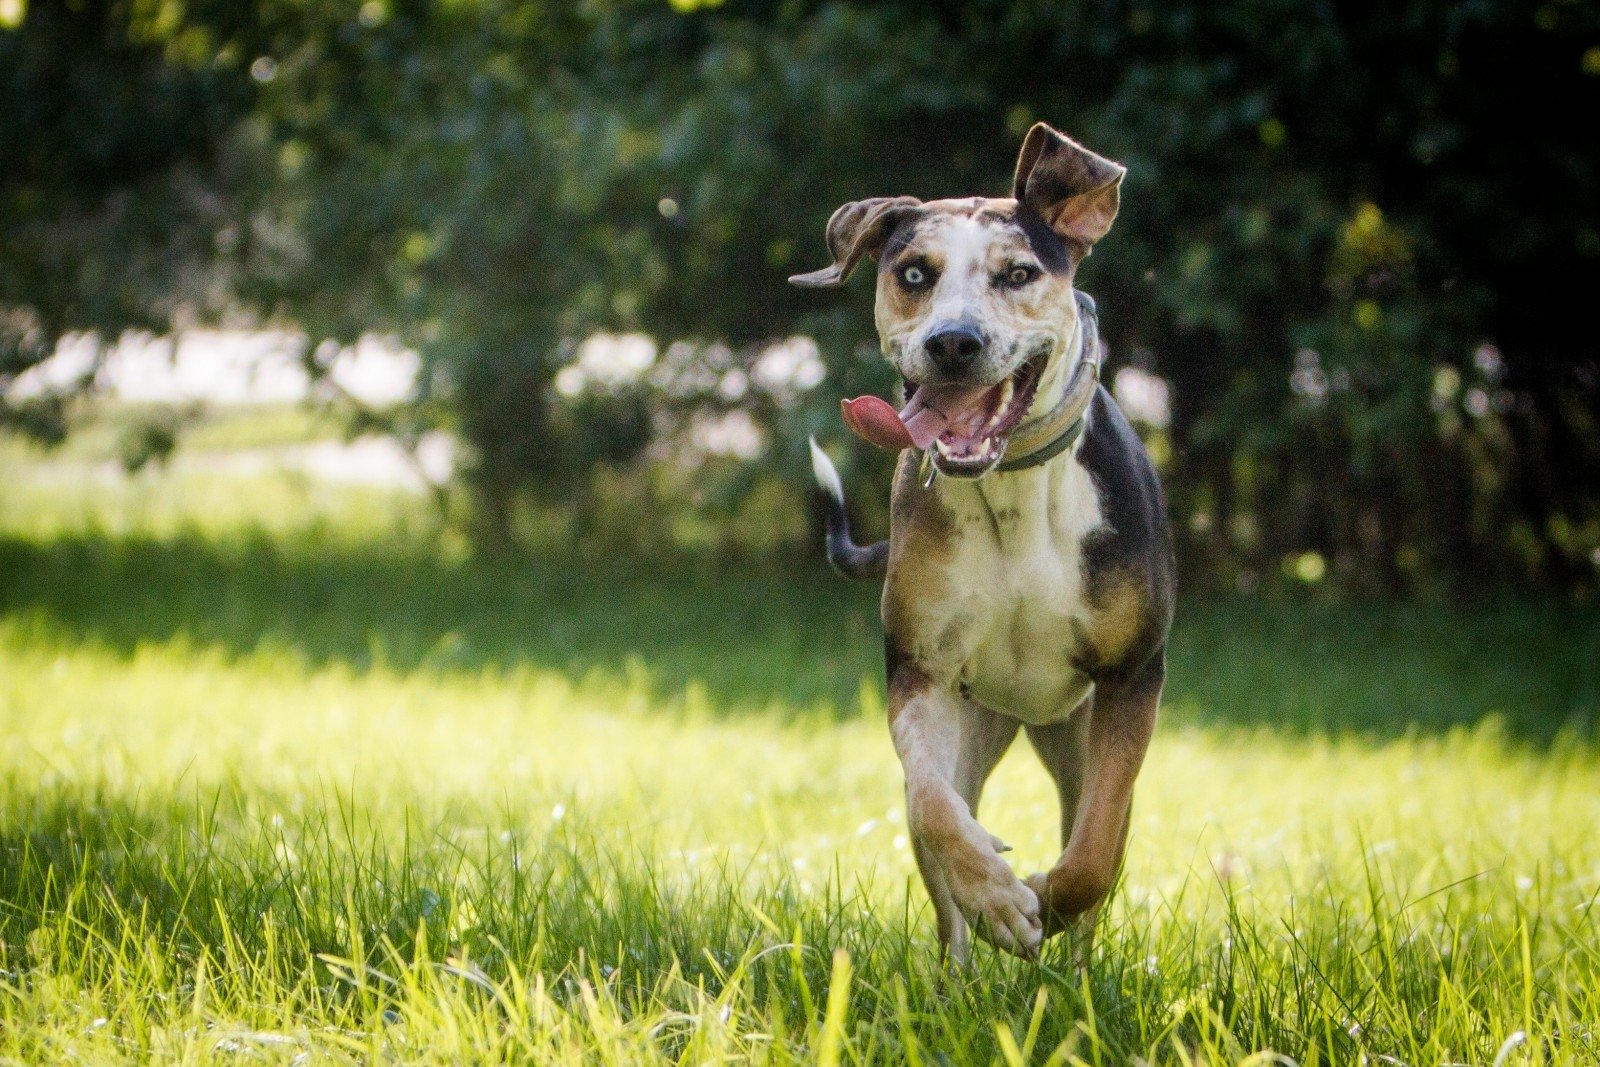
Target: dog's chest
{"x":1004,"y":616}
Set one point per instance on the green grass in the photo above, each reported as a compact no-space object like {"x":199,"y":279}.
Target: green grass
{"x":284,"y":778}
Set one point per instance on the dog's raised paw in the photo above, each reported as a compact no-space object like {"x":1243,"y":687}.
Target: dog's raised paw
{"x":1004,"y":912}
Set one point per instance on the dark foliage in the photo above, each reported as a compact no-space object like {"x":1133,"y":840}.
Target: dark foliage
{"x":1358,"y":240}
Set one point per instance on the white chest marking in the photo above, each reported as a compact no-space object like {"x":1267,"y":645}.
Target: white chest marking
{"x":999,"y":618}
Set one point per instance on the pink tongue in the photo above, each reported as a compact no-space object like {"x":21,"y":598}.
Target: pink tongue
{"x":917,"y":424}
{"x":874,"y":421}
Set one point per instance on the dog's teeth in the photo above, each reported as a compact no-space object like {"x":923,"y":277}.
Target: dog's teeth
{"x":1007,"y":389}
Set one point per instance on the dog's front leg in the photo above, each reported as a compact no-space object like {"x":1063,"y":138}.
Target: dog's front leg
{"x":948,"y":746}
{"x":1122,"y":718}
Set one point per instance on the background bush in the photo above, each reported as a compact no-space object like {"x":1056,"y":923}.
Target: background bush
{"x":1358,"y":240}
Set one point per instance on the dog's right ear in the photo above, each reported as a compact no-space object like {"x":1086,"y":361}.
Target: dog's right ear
{"x":858,"y":229}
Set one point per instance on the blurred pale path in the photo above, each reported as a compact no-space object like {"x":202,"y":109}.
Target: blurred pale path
{"x":221,"y":367}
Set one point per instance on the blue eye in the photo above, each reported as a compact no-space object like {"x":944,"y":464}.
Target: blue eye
{"x":913,"y":275}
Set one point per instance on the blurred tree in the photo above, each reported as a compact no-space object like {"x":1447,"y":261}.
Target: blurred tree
{"x":1352,"y":239}
{"x":120,"y":148}
{"x":1355,"y":239}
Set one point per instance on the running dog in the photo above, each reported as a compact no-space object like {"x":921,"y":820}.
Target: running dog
{"x":1029,"y":579}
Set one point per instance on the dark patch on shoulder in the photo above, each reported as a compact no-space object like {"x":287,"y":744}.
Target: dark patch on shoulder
{"x":904,"y":678}
{"x":1131,"y":555}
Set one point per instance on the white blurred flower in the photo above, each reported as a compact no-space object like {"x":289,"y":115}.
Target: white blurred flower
{"x":1143,"y":397}
{"x":570,"y":381}
{"x":608,"y":360}
{"x":733,"y":434}
{"x":1490,"y":363}
{"x":789,"y":367}
{"x":734,"y":385}
{"x":1309,"y":379}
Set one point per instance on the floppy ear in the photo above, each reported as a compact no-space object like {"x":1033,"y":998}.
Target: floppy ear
{"x":858,"y":229}
{"x":1074,"y":190}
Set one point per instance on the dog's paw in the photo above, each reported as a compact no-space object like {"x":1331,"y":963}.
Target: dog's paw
{"x":1051,"y":921}
{"x":1001,"y":909}
{"x":1066,"y":903}
{"x":1078,"y":927}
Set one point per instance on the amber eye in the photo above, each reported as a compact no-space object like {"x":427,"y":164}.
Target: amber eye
{"x":1020,"y":275}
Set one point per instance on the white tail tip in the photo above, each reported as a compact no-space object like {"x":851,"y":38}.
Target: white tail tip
{"x":826,"y":473}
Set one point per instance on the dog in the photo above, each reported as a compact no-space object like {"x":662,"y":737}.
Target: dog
{"x":1028,"y":576}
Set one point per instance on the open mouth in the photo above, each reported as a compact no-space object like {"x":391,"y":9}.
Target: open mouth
{"x":967,"y":428}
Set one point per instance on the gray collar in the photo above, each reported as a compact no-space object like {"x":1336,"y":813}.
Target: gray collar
{"x":1060,"y":429}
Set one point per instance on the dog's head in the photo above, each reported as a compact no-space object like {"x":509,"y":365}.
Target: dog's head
{"x":975,"y":306}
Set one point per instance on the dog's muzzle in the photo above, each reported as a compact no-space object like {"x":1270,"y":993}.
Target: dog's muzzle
{"x":964,"y":428}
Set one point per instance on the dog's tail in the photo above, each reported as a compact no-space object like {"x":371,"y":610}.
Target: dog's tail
{"x":847,"y":557}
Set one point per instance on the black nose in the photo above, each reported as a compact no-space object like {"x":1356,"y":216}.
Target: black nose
{"x":953,"y":348}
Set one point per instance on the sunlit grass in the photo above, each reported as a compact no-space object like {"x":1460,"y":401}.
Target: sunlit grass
{"x":280,"y":778}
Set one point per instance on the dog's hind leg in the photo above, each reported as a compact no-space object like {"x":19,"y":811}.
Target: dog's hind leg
{"x":1063,"y":748}
{"x":1116,"y":733}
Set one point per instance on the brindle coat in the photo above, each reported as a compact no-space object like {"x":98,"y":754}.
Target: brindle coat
{"x":1036,"y":599}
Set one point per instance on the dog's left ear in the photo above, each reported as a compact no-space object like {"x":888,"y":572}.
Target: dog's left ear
{"x":1074,"y":190}
{"x":860,"y":228}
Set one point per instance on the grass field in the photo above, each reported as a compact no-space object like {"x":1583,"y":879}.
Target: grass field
{"x":285,"y":779}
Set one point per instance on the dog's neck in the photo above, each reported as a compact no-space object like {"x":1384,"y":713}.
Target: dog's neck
{"x":1052,"y":390}
{"x":1060,"y":426}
